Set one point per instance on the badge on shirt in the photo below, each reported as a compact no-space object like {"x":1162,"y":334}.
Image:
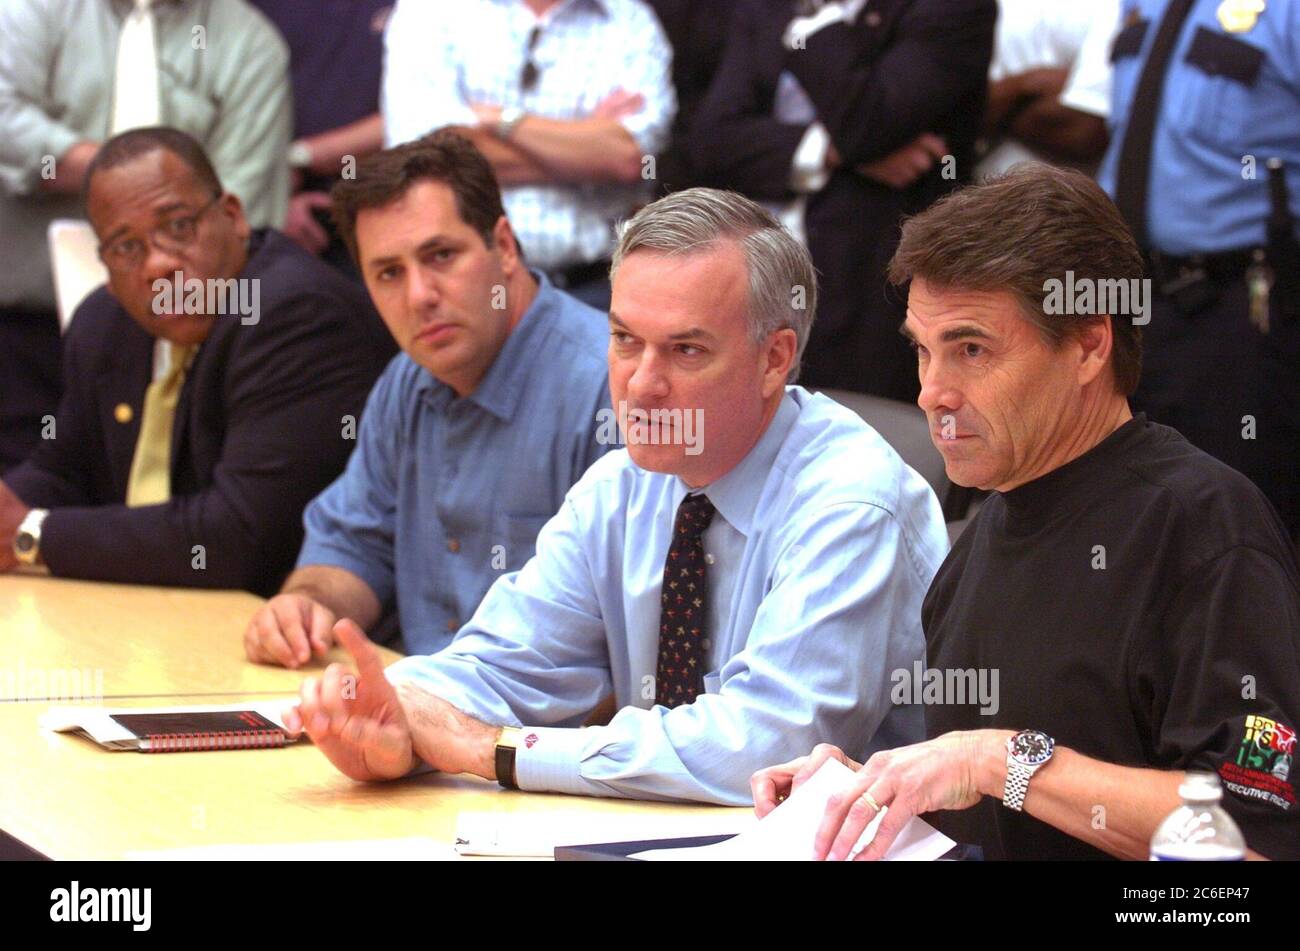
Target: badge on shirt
{"x":1262,"y":768}
{"x":1240,"y":16}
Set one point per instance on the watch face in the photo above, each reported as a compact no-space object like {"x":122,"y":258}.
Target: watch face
{"x":24,"y":543}
{"x":1032,"y":747}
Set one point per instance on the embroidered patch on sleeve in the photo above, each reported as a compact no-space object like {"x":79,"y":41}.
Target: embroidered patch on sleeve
{"x":1262,"y":769}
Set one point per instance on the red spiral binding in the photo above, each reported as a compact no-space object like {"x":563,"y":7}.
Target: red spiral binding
{"x":225,"y":740}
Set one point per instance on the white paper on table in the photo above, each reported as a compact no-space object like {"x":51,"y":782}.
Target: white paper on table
{"x":788,"y":831}
{"x":414,"y":849}
{"x":540,"y":833}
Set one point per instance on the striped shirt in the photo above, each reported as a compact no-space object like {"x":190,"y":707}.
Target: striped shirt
{"x":441,"y":56}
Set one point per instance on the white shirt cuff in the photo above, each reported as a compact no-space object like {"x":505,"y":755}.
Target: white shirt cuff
{"x":808,"y":172}
{"x":1089,"y":99}
{"x":548,"y":760}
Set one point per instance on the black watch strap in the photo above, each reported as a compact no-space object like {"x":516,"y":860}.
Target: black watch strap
{"x":507,"y":744}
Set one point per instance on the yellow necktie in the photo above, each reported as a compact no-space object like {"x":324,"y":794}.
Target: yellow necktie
{"x":150,"y":482}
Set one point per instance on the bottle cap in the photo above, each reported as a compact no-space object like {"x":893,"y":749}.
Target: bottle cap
{"x":1200,"y":787}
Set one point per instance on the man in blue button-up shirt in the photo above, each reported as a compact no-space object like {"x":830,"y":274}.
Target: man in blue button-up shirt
{"x":819,"y":550}
{"x":471,"y":437}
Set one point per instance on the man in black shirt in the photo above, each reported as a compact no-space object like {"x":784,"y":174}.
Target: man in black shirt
{"x":1136,"y":600}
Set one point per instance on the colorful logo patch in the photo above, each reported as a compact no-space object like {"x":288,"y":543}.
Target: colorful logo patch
{"x":1262,"y":769}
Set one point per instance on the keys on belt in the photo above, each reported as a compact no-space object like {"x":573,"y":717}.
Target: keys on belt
{"x":1259,"y":283}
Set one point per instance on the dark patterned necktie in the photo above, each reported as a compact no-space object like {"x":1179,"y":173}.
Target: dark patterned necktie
{"x":683,"y":604}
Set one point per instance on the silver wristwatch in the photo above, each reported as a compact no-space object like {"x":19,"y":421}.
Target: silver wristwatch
{"x":511,"y":116}
{"x":1027,"y":752}
{"x":27,"y":540}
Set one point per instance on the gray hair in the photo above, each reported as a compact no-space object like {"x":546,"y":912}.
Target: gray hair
{"x":782,"y":280}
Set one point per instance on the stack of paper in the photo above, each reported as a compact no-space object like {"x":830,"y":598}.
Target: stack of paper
{"x":788,"y":831}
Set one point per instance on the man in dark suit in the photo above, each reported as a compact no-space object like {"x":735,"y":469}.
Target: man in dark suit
{"x":212,"y":388}
{"x":849,"y":116}
{"x":697,"y":32}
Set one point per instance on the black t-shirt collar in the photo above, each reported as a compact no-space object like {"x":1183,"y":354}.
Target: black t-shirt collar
{"x":1079,"y":481}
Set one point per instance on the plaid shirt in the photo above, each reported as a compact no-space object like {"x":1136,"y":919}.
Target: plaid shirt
{"x":442,"y":55}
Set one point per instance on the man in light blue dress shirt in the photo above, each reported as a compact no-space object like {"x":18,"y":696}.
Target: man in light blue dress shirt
{"x":819,"y":546}
{"x":471,"y":437}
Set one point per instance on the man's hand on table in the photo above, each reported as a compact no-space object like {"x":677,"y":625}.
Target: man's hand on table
{"x":12,"y":513}
{"x":372,"y":730}
{"x":288,"y":629}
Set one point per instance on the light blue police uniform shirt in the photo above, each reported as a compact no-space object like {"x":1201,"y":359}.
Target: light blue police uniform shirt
{"x":822,"y":547}
{"x":1213,"y":114}
{"x":444,"y":495}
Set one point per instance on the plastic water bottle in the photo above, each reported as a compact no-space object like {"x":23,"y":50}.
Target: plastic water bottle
{"x":1200,"y":830}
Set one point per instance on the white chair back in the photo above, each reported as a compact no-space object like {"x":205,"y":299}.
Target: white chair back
{"x":74,"y":253}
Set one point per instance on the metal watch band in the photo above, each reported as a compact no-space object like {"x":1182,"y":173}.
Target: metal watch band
{"x":1018,"y":775}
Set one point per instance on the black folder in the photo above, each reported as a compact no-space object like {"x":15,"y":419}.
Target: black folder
{"x":623,"y":851}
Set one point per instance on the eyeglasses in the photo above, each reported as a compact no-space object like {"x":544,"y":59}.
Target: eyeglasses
{"x":531,"y":72}
{"x":173,"y":235}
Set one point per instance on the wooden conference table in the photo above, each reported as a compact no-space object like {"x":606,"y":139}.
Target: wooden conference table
{"x":66,"y":798}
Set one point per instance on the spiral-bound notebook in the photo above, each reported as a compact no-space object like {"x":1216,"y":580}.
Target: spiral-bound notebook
{"x":176,"y":729}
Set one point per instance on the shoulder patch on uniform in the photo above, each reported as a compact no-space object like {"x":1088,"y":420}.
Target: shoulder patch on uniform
{"x":1262,"y":768}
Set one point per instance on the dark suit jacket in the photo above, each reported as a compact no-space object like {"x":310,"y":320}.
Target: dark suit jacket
{"x":904,"y":67}
{"x":697,"y":31}
{"x":259,"y":431}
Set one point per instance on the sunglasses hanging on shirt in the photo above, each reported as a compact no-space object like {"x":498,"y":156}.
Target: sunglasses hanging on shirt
{"x":531,"y":72}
